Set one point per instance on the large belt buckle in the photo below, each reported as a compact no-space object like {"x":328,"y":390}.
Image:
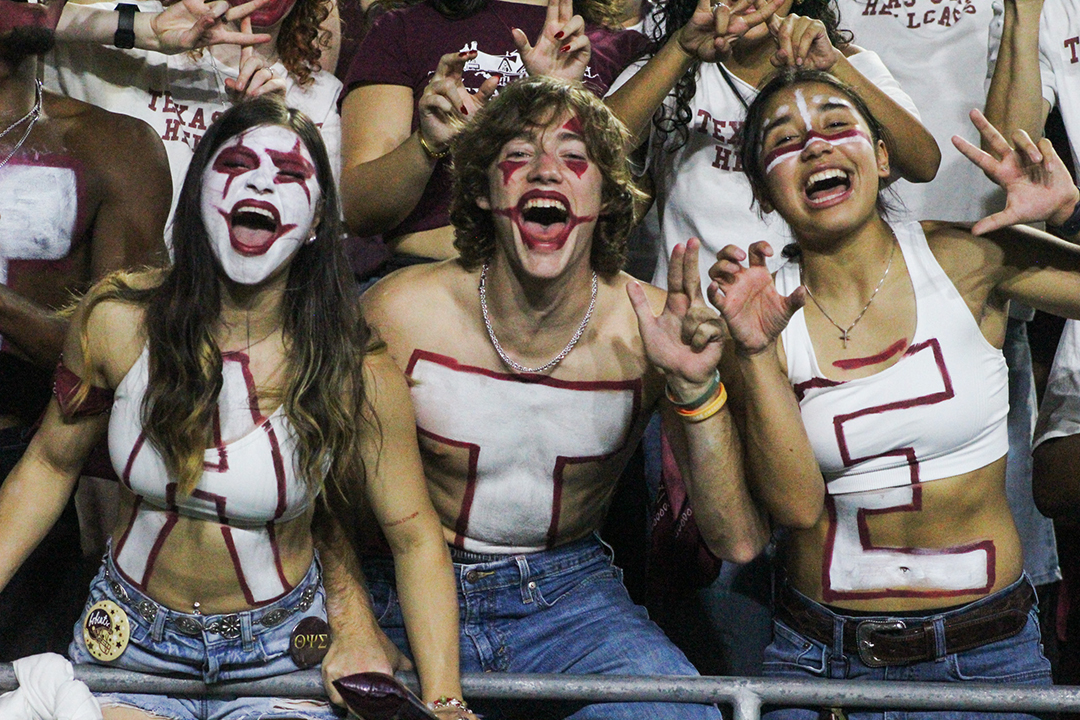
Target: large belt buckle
{"x":867,"y":647}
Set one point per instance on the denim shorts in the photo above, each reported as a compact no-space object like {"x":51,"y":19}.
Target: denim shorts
{"x":1016,"y":660}
{"x":563,"y":610}
{"x":248,"y":645}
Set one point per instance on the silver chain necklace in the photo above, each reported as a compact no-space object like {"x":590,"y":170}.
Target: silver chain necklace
{"x":32,"y":116}
{"x":518,"y":367}
{"x":844,"y":334}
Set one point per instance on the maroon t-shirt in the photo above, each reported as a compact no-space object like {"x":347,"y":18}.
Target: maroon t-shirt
{"x":404,"y":47}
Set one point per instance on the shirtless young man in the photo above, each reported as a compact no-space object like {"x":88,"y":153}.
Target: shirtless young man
{"x":534,"y":365}
{"x":73,"y":207}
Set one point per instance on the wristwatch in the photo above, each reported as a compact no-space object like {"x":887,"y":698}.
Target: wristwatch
{"x":125,"y":26}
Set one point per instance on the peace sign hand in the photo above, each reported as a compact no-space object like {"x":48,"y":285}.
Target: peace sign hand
{"x":684,"y":341}
{"x":192,"y":24}
{"x":562,"y":50}
{"x":709,"y":32}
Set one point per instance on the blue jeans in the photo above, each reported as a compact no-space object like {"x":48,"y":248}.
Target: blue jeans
{"x":260,"y":650}
{"x":560,"y":611}
{"x":1018,"y":659}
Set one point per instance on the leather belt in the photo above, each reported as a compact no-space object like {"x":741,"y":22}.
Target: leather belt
{"x":884,"y":641}
{"x":227,"y":626}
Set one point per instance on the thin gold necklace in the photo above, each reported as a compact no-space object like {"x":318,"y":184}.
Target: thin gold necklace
{"x":846,"y":333}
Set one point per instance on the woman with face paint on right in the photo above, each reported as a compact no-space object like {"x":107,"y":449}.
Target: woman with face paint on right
{"x":243,"y":415}
{"x":890,"y":336}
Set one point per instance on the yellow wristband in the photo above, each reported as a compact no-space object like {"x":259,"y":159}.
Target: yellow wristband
{"x":707,"y":410}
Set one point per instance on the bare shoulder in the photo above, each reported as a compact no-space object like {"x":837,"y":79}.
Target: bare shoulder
{"x":955,"y":248}
{"x":416,"y":303}
{"x":104,"y":135}
{"x":656,"y":296}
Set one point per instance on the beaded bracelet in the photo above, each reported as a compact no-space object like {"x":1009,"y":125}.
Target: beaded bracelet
{"x":431,"y":152}
{"x":698,"y":401}
{"x":708,"y":409}
{"x":446,"y":701}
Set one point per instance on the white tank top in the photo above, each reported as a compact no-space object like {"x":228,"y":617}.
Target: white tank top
{"x":938,"y":412}
{"x":249,"y":482}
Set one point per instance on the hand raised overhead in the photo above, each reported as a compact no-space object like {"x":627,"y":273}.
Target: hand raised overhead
{"x":562,"y":50}
{"x":709,"y":32}
{"x":447,"y":104}
{"x":746,"y":296}
{"x":192,"y":24}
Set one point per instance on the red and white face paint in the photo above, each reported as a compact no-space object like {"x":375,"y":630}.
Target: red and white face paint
{"x":259,"y":200}
{"x":545,"y":192}
{"x":789,"y":151}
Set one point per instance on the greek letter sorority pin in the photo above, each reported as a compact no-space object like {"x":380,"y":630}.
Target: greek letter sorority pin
{"x":309,"y":642}
{"x":106,"y":630}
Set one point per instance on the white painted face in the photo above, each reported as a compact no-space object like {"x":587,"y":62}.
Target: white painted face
{"x":259,"y":199}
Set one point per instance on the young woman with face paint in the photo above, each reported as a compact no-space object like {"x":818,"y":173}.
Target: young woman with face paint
{"x":913,"y":568}
{"x":244,"y":417}
{"x":180,"y":94}
{"x":693,"y":156}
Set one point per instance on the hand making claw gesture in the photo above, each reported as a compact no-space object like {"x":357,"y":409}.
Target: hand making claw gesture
{"x":562,"y":50}
{"x":746,"y":296}
{"x":1037,"y":183}
{"x":802,"y":42}
{"x":447,"y":104}
{"x":684,"y":341}
{"x":709,"y":32}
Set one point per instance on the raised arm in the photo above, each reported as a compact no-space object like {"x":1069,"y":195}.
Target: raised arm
{"x":385,"y":164}
{"x":182,"y":26}
{"x":1014,"y":100}
{"x":803,"y":41}
{"x":780,"y":461}
{"x":706,"y":36}
{"x":685,"y":343}
{"x":398,"y":495}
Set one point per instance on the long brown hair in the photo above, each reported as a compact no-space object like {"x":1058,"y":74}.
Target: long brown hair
{"x":324,"y":332}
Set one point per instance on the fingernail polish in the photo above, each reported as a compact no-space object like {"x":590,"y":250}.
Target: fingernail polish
{"x":464,"y":110}
{"x":558,"y":35}
{"x":564,"y":48}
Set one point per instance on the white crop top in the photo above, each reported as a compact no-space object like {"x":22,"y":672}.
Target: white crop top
{"x":940,"y":411}
{"x":249,"y":482}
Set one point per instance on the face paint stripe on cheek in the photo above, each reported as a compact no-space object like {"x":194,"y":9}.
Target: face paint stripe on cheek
{"x":787,"y":152}
{"x":578,"y":167}
{"x":509,"y":167}
{"x":293,"y":162}
{"x":234,"y":161}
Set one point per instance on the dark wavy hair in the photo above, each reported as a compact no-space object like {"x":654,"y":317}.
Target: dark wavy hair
{"x":323,"y":330}
{"x":752,"y":133}
{"x":608,"y":13}
{"x":671,"y":15}
{"x":535,"y":102}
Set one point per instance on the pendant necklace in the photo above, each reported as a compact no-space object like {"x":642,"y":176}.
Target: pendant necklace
{"x":517,"y":367}
{"x":846,"y":333}
{"x":32,"y":116}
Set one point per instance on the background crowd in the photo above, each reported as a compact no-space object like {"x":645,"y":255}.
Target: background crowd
{"x":104,"y":109}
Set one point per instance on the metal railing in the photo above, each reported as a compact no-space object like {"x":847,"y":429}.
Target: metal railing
{"x":744,"y":695}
